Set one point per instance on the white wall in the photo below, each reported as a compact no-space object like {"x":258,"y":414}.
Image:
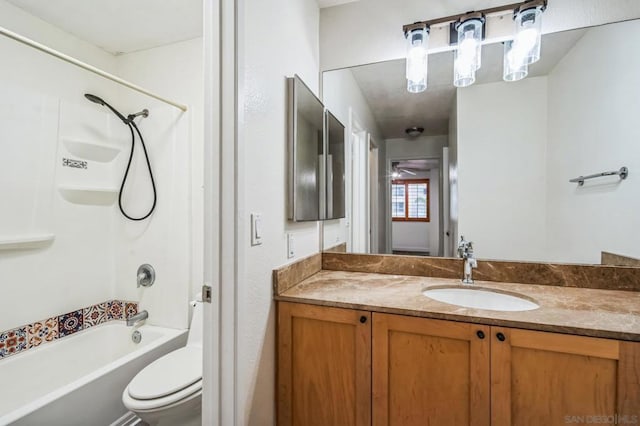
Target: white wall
{"x":172,"y":240}
{"x":501,"y":142}
{"x":370,"y":31}
{"x":593,"y":116}
{"x":341,"y":94}
{"x":277,"y":40}
{"x":415,"y":148}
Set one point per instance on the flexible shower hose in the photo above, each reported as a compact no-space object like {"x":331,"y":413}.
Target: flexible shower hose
{"x":132,"y":126}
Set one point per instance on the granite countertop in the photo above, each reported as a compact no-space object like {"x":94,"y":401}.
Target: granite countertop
{"x":598,"y":313}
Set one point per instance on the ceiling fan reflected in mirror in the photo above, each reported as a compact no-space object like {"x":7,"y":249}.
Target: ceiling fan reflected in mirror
{"x":409,"y":167}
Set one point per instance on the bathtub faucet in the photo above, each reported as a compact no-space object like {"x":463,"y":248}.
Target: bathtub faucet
{"x":134,"y":319}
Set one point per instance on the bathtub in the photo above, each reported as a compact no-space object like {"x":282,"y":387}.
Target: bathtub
{"x":78,"y":380}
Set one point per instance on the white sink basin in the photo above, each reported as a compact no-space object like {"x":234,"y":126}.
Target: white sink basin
{"x":480,"y":298}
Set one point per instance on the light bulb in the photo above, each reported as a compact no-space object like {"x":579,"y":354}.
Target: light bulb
{"x":468,"y":49}
{"x":468,"y":55}
{"x":470,"y":39}
{"x":417,"y":59}
{"x":464,"y":70}
{"x":529,"y":33}
{"x":515,"y":62}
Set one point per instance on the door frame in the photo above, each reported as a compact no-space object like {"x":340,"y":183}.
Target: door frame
{"x":389,"y":178}
{"x":374,"y":193}
{"x":357,"y":131}
{"x":221,"y":106}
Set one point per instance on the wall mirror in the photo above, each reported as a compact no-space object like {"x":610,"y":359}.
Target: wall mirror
{"x":316,"y":157}
{"x":494,"y":160}
{"x":335,"y":167}
{"x":306,"y":152}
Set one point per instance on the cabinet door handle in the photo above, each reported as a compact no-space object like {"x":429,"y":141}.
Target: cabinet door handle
{"x":501,"y":337}
{"x":363,"y":319}
{"x":480,"y":334}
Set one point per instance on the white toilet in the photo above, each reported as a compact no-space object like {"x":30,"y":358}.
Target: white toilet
{"x":169,"y":390}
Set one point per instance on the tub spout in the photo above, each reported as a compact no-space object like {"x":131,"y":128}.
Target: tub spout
{"x":134,"y":319}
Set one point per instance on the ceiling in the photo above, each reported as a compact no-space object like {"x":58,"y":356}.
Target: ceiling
{"x":384,"y":85}
{"x":121,"y":26}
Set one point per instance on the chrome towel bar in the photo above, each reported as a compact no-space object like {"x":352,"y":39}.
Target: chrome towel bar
{"x":623,"y":173}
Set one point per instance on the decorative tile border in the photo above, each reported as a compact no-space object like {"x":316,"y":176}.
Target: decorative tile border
{"x":48,"y":330}
{"x":70,"y":323}
{"x":95,"y":315}
{"x":42,"y":332}
{"x":13,"y":341}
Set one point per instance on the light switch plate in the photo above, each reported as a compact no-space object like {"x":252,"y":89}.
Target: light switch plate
{"x":256,"y":229}
{"x":290,"y":246}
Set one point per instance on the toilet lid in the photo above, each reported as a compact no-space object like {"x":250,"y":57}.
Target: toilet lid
{"x":168,"y":374}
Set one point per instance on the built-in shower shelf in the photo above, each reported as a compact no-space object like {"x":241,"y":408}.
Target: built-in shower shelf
{"x":89,"y":195}
{"x":26,"y":242}
{"x":92,"y":151}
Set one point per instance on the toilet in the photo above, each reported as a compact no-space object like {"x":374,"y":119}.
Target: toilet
{"x":169,"y":390}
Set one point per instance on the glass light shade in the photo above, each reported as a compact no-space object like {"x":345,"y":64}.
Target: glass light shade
{"x":417,"y":60}
{"x":470,"y":41}
{"x":529,"y":33}
{"x":464,"y":70}
{"x":515,"y":63}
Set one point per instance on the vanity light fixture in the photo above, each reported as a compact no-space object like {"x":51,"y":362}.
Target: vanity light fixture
{"x":467,"y":32}
{"x":468,"y":54}
{"x":417,"y":37}
{"x":528,"y":19}
{"x":524,"y":49}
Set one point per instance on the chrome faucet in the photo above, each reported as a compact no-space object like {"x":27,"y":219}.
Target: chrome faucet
{"x":134,"y":319}
{"x":465,"y":251}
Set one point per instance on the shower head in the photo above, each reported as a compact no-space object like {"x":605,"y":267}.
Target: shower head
{"x":100,"y":101}
{"x":94,"y":98}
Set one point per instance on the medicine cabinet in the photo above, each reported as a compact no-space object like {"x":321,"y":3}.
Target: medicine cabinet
{"x":316,"y":157}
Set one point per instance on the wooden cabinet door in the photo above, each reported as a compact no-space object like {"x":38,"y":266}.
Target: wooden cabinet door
{"x":324,"y":366}
{"x":430,"y":372}
{"x":553,"y":379}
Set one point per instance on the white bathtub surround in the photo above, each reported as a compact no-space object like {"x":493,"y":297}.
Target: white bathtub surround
{"x":37,"y":333}
{"x":48,"y":386}
{"x":63,"y":242}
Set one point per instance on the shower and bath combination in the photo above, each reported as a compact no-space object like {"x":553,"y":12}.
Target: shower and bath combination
{"x":130,"y":123}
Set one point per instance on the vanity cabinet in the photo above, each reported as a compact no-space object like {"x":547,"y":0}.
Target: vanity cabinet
{"x":351,"y":367}
{"x":542,"y":378}
{"x":430,"y":372}
{"x":324,"y":366}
